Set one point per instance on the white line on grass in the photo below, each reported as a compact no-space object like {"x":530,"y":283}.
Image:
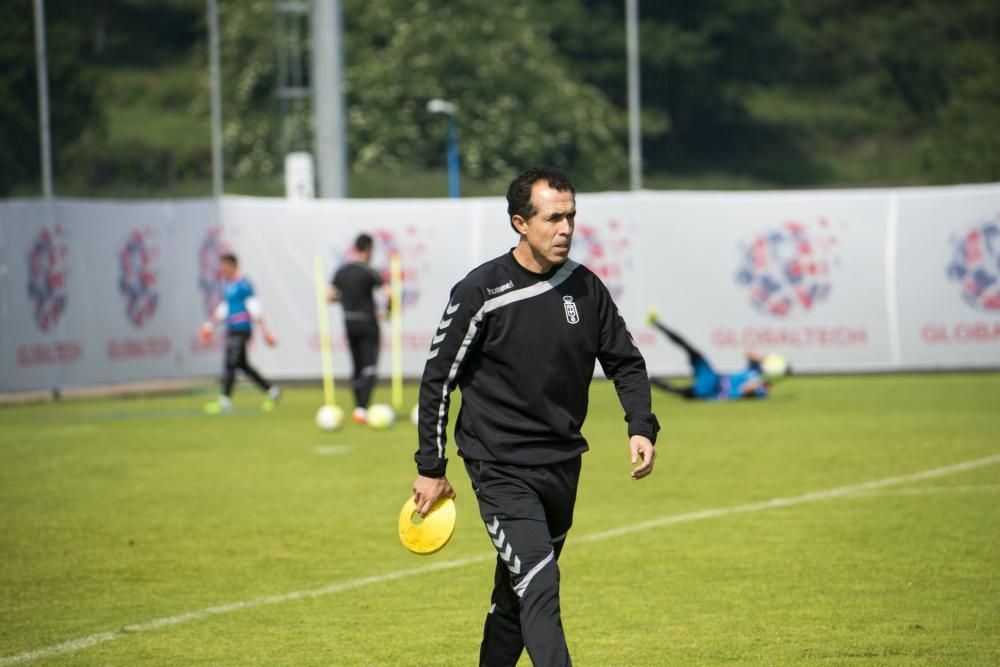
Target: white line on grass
{"x":931,"y":490}
{"x":837,"y":492}
{"x":155,"y":624}
{"x":332,"y":449}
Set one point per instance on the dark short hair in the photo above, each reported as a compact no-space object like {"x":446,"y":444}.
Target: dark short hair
{"x":229,"y":257}
{"x":363,"y":243}
{"x":519,"y":192}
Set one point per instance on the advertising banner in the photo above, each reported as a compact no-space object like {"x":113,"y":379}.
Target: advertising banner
{"x":948,"y":278}
{"x":98,"y":292}
{"x":837,"y":281}
{"x":801,"y":274}
{"x":277,"y":244}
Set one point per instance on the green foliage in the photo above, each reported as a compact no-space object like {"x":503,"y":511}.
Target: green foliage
{"x":249,"y":81}
{"x":698,"y":60}
{"x":119,"y":512}
{"x":921,"y":70}
{"x":964,"y":144}
{"x":19,"y":129}
{"x":72,"y":95}
{"x":519,"y":102}
{"x":134,"y":161}
{"x":132,"y":151}
{"x":764,"y":93}
{"x":140,"y":33}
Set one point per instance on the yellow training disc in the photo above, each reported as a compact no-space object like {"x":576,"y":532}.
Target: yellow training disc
{"x":429,"y":534}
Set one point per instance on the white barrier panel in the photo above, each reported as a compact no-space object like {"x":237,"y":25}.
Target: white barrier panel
{"x":948,"y":277}
{"x":101,"y":292}
{"x":95,"y":292}
{"x":797,"y":273}
{"x":276,"y":243}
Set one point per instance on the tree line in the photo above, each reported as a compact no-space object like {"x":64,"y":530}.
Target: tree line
{"x":787,"y":94}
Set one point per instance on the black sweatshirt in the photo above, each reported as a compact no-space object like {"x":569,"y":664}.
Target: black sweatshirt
{"x":355,"y":282}
{"x":521,"y":346}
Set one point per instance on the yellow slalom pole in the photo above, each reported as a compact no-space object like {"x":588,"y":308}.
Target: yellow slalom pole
{"x":396,"y":321}
{"x":322,"y":311}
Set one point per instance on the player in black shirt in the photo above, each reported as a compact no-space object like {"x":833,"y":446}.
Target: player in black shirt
{"x":520,"y":336}
{"x":352,"y":286}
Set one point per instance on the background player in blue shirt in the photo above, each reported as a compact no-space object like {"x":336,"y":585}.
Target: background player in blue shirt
{"x":240,"y":310}
{"x":708,"y":384}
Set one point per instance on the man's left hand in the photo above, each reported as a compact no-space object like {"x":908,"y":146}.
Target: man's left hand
{"x":643,"y":453}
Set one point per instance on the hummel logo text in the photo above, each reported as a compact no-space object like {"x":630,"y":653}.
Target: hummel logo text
{"x":493,"y":291}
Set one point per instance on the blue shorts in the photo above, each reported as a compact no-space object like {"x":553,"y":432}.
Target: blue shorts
{"x":706,"y":380}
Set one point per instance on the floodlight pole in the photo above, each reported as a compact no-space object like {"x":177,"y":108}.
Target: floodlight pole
{"x":634,"y":123}
{"x":450,"y":110}
{"x":216,"y":96}
{"x":44,"y":137}
{"x":453,"y":188}
{"x":329,"y":117}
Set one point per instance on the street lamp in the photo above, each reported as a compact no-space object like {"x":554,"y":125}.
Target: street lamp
{"x":449,"y":109}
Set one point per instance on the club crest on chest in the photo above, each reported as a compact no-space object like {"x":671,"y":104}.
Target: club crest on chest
{"x":569,"y":306}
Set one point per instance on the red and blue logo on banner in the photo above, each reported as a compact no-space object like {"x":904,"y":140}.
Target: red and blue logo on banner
{"x":975,"y":265}
{"x":209,"y":278}
{"x":137,"y":277}
{"x":605,"y":252}
{"x":412,"y":251}
{"x":787,"y":270}
{"x":47,"y":277}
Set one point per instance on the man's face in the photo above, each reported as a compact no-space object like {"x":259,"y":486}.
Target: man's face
{"x":549,"y":232}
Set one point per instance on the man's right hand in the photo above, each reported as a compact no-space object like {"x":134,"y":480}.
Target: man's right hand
{"x":427,"y":491}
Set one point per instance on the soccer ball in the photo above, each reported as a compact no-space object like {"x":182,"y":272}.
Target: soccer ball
{"x":380,"y":416}
{"x":329,"y":418}
{"x":415,"y":415}
{"x":774,"y":366}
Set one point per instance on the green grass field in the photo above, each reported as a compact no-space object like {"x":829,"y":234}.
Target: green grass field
{"x":143,"y":532}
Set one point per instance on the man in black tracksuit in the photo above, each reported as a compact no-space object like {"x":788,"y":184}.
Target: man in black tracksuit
{"x":353,"y":285}
{"x":519,"y":337}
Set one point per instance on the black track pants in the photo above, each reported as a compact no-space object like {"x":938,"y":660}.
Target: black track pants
{"x":527,"y":511}
{"x":363,"y":338}
{"x":236,"y":359}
